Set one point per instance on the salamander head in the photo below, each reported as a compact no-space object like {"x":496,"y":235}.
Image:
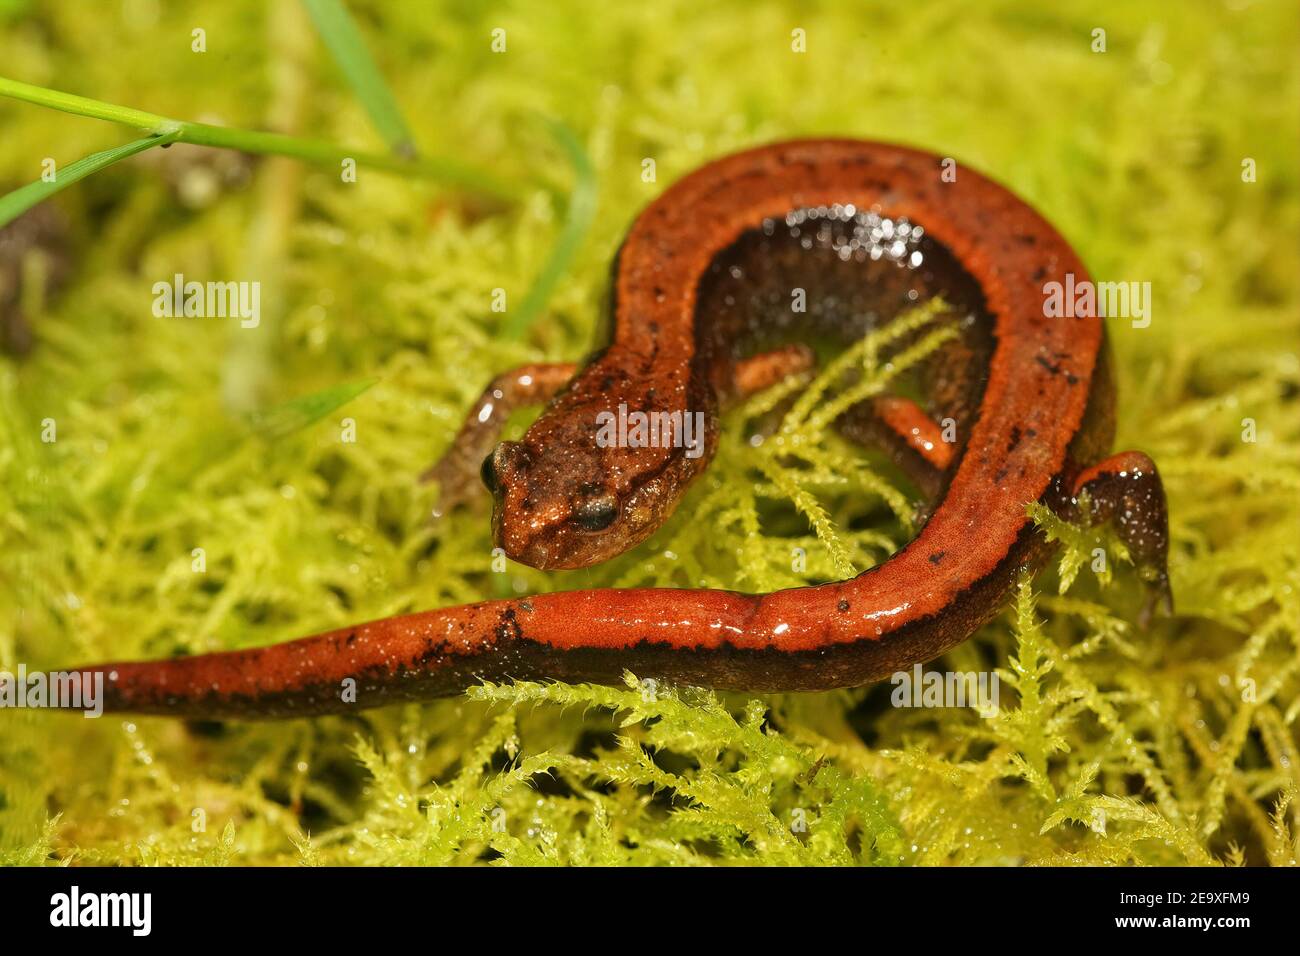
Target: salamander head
{"x":557,"y":505}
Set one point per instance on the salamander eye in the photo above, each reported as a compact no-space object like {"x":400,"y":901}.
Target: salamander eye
{"x":596,"y":514}
{"x":488,"y":472}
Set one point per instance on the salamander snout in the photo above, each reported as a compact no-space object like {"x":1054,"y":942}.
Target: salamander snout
{"x":550,"y":513}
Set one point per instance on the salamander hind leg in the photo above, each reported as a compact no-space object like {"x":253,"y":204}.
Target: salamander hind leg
{"x":907,"y":434}
{"x":457,"y":471}
{"x":896,"y":425}
{"x":1126,"y":490}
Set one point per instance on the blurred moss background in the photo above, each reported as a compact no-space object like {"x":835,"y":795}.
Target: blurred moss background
{"x":1173,"y":746}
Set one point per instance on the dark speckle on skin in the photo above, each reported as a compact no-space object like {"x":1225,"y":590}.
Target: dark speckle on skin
{"x":842,"y":606}
{"x":937,"y":557}
{"x":508,"y":627}
{"x":1055,"y":369}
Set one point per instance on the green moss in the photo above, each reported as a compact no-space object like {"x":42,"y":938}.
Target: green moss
{"x":1172,"y":746}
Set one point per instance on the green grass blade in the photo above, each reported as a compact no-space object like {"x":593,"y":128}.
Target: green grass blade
{"x":14,"y":204}
{"x":577,"y":220}
{"x":85,"y":106}
{"x":340,"y":34}
{"x":438,"y":169}
{"x":280,"y":421}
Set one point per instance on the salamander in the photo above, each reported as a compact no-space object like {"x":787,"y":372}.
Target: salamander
{"x":700,"y":315}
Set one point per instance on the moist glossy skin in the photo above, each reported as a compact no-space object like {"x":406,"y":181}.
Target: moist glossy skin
{"x":1032,"y":397}
{"x":564,"y":499}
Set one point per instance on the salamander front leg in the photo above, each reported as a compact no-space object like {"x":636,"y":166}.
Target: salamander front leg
{"x":762,"y":371}
{"x":1126,"y":490}
{"x":457,"y":470}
